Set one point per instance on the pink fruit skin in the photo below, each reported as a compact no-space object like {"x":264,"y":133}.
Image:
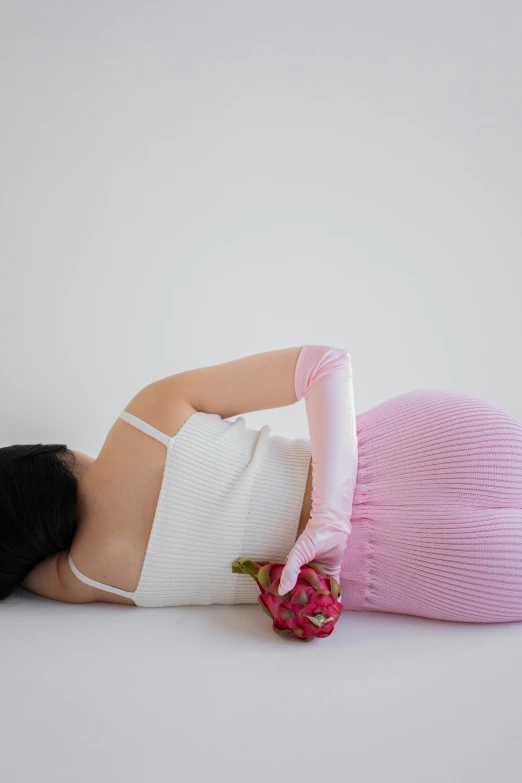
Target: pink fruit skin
{"x":317,"y":601}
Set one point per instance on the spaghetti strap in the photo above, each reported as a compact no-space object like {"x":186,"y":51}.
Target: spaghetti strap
{"x":158,"y":435}
{"x":145,"y":427}
{"x":100,"y":585}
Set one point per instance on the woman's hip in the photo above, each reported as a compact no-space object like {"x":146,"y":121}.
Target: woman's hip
{"x":437,"y":511}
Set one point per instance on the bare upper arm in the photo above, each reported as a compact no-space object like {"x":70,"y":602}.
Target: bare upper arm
{"x":256,"y":382}
{"x":252,"y":383}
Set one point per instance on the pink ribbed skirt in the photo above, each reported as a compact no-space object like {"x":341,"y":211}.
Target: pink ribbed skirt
{"x":437,"y":512}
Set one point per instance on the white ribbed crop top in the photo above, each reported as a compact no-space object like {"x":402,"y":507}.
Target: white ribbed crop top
{"x":227,"y":491}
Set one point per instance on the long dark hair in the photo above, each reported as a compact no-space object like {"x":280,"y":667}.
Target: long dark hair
{"x":38,"y":508}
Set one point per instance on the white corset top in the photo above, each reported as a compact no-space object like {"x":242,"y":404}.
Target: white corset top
{"x":227,"y":491}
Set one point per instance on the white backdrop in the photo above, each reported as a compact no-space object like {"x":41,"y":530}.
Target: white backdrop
{"x":185,"y":183}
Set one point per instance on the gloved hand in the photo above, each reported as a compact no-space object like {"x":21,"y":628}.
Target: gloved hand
{"x":323,"y":376}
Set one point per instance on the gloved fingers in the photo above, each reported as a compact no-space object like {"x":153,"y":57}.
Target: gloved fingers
{"x":333,"y":571}
{"x":297,"y":558}
{"x":290,"y":574}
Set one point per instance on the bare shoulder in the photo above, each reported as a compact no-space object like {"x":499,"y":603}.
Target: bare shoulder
{"x":122,"y":487}
{"x":159,"y":406}
{"x":124,"y":443}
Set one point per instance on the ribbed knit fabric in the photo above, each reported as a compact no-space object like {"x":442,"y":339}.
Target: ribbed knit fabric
{"x":227,"y":491}
{"x":437,"y":511}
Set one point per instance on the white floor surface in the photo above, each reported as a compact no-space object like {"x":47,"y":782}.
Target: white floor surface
{"x":105,"y":692}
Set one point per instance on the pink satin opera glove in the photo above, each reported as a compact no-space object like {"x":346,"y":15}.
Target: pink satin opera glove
{"x":323,"y":376}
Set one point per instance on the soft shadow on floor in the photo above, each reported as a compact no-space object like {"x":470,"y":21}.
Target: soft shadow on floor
{"x":108,"y":692}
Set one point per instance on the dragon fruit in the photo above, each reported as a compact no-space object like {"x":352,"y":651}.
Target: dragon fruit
{"x":308,"y":611}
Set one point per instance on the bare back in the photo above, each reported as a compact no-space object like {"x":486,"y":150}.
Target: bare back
{"x":118,"y":498}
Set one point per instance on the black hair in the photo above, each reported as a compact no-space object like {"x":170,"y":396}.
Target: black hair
{"x":38,"y":508}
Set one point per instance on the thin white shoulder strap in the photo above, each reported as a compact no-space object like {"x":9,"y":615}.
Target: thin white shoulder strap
{"x":100,"y":585}
{"x":145,"y":427}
